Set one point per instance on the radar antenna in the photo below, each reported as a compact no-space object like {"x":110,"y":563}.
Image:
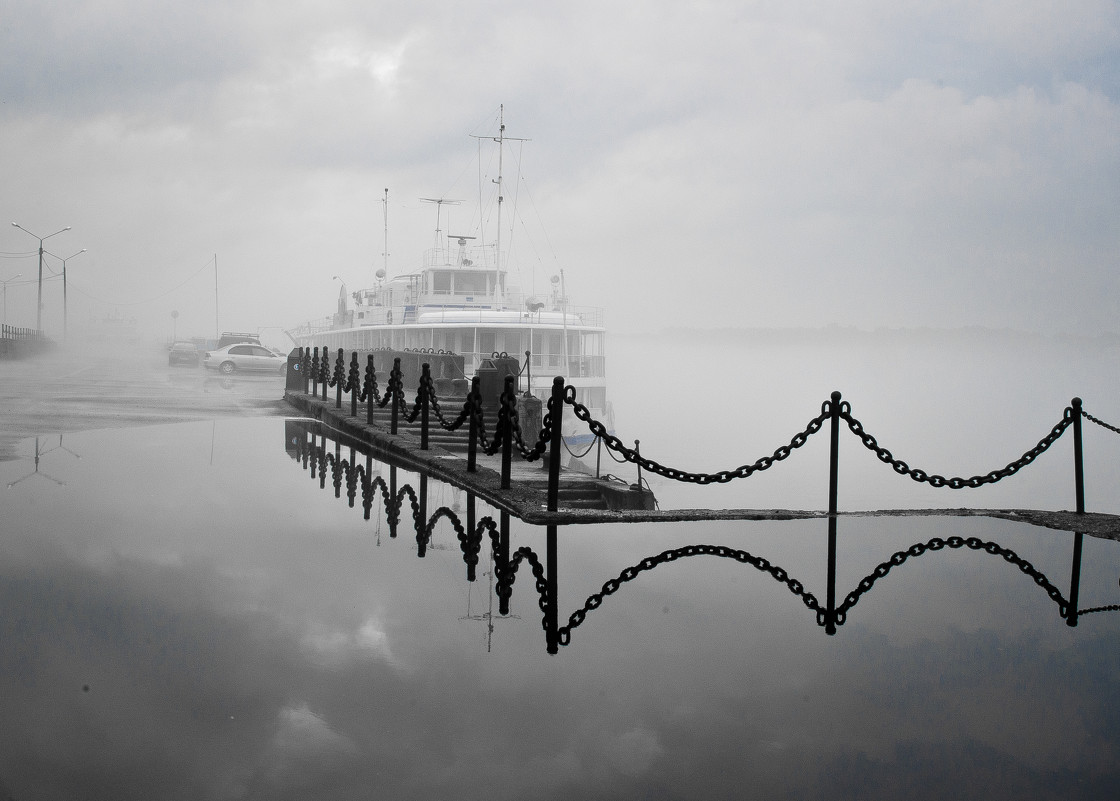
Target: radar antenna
{"x":439,"y":201}
{"x":461,"y":239}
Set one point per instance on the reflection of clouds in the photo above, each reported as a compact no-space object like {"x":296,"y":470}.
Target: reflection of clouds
{"x":369,"y":640}
{"x":634,"y":752}
{"x":302,"y":731}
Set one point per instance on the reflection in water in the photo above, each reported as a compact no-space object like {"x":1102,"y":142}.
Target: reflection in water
{"x":39,"y":454}
{"x":307,"y":443}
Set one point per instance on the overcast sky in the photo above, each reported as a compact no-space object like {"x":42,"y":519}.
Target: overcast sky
{"x":872,"y":163}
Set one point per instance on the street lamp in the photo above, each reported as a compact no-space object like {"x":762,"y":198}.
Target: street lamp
{"x":5,"y":283}
{"x":64,"y":316}
{"x":39,"y":304}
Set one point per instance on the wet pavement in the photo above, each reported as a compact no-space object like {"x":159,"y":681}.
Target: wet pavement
{"x":87,"y":386}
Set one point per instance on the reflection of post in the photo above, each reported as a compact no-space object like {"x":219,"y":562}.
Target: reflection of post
{"x":396,"y":516}
{"x":502,"y":557}
{"x":830,"y":614}
{"x":470,"y":532}
{"x":550,"y":615}
{"x":421,"y":523}
{"x":1074,"y":580}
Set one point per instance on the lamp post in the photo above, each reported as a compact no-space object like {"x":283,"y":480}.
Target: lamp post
{"x":39,"y":302}
{"x":64,"y":315}
{"x":64,"y":288}
{"x":5,"y":283}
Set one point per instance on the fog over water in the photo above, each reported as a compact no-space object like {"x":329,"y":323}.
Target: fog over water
{"x":951,"y":402}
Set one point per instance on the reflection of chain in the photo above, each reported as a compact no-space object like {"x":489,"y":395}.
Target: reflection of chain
{"x":936,"y":544}
{"x":630,"y":573}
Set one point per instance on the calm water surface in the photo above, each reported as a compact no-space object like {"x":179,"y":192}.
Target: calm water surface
{"x":186,"y":613}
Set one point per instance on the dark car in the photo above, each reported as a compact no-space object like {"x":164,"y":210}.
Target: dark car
{"x":182,"y":353}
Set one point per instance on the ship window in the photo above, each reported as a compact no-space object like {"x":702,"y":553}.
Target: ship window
{"x":470,"y":283}
{"x":441,"y":283}
{"x":486,"y":342}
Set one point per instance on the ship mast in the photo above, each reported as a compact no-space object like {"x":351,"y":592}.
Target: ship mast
{"x":501,"y":139}
{"x":385,"y":254}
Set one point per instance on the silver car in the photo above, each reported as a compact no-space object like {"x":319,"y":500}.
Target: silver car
{"x":250,"y":358}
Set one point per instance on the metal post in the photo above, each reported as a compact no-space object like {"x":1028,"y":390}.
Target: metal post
{"x":339,"y":376}
{"x":598,"y":454}
{"x":528,"y":373}
{"x":425,"y":400}
{"x":556,"y":414}
{"x":833,"y":481}
{"x":472,"y":431}
{"x":325,"y":371}
{"x":509,"y":399}
{"x":305,"y":366}
{"x":370,"y":378}
{"x":638,"y":453}
{"x":354,"y":384}
{"x":395,"y":391}
{"x":315,"y":374}
{"x":1078,"y":461}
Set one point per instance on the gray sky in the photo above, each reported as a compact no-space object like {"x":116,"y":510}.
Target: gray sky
{"x":871,"y":163}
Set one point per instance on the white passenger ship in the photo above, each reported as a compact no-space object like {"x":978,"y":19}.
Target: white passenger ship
{"x":460,"y":301}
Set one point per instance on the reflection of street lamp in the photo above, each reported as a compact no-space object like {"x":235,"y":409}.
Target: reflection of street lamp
{"x":39,"y":303}
{"x":5,"y":283}
{"x":80,"y":252}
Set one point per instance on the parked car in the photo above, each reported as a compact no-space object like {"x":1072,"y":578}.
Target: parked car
{"x":256,"y":358}
{"x":182,"y":353}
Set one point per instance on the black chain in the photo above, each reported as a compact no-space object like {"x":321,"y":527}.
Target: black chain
{"x":1099,"y":422}
{"x":902,"y":468}
{"x":629,"y":574}
{"x":936,"y":544}
{"x":615,"y":444}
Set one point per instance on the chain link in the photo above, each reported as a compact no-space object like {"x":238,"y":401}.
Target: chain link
{"x":956,"y":482}
{"x":1099,"y":422}
{"x":615,"y":444}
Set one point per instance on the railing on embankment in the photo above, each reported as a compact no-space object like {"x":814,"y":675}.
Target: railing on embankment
{"x":16,"y":341}
{"x":315,"y":374}
{"x":319,"y":450}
